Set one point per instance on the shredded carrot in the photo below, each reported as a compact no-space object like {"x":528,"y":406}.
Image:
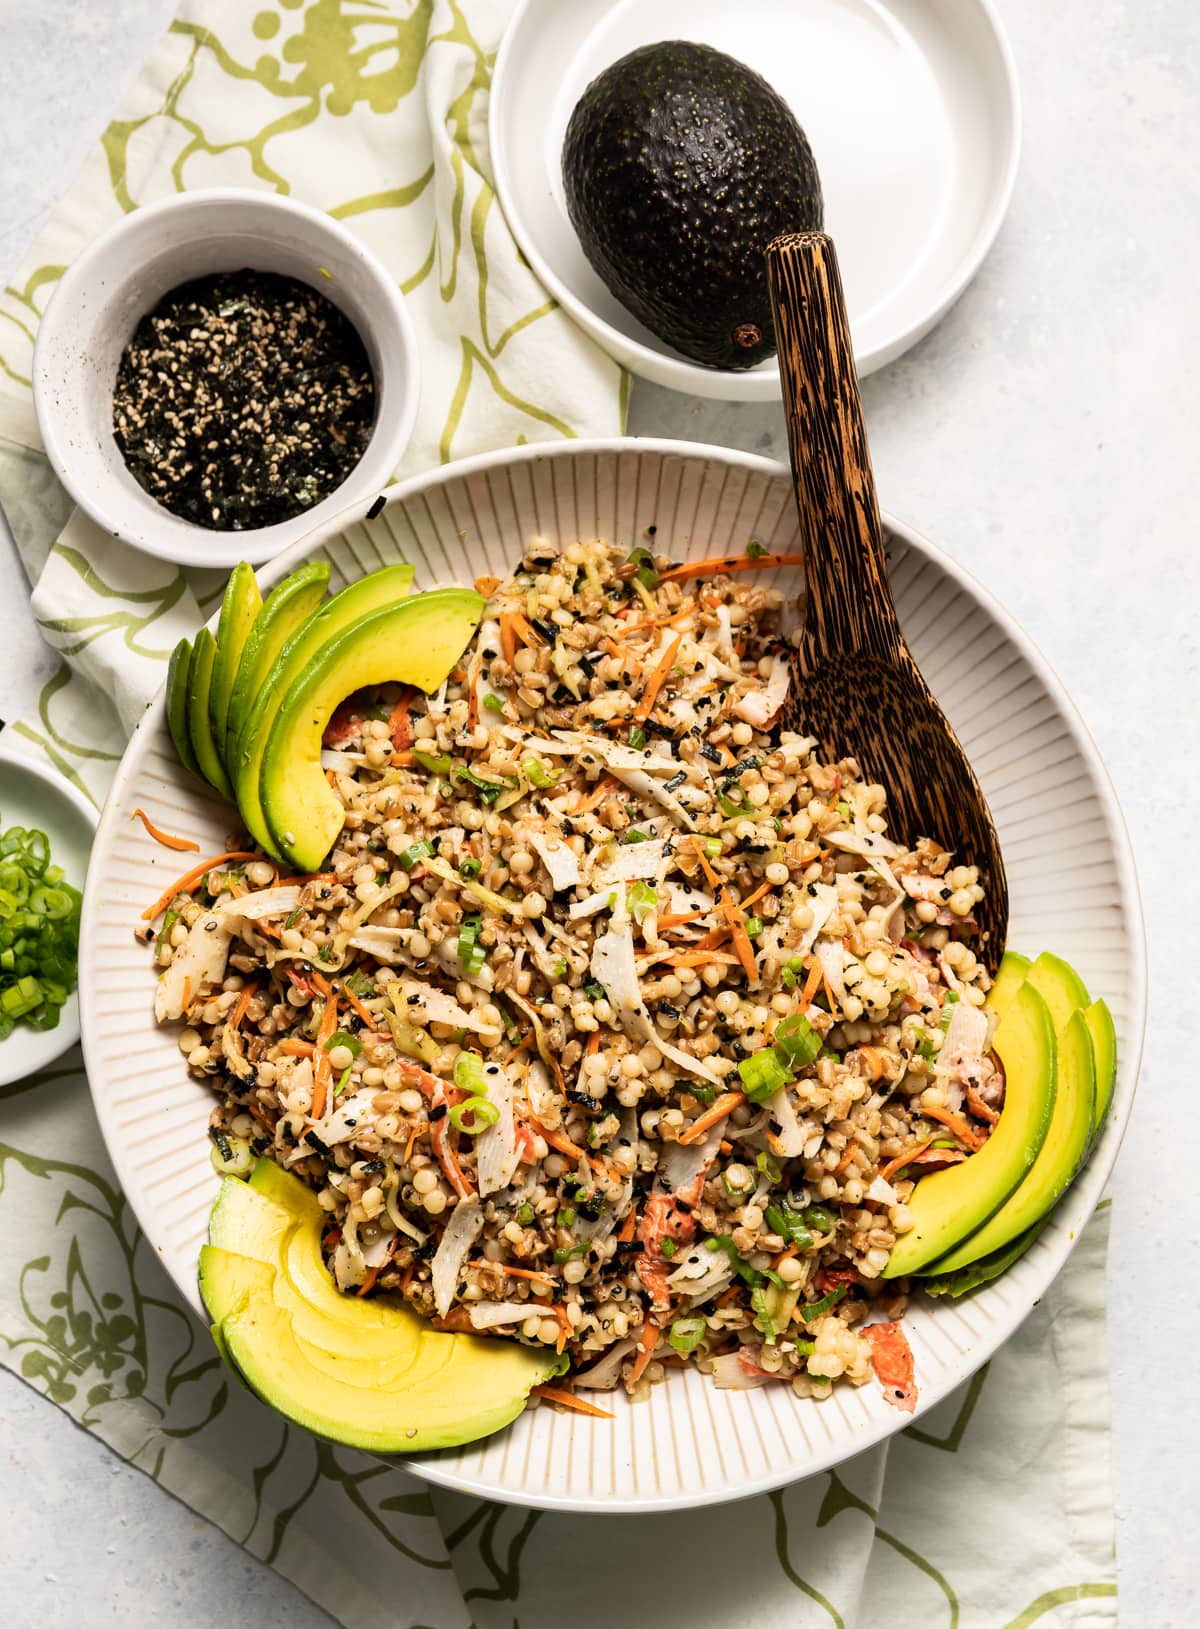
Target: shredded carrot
{"x":741,"y":939}
{"x":568,"y":1399}
{"x":163,"y":837}
{"x":730,"y":1294}
{"x":701,"y":957}
{"x":473,"y":691}
{"x":593,"y":1043}
{"x":812,"y":984}
{"x":297,"y":1049}
{"x":402,"y":760}
{"x":323,"y":1069}
{"x":628,"y":1227}
{"x":596,"y":796}
{"x":725,"y":1146}
{"x":331,"y":777}
{"x":508,"y":637}
{"x":516,"y":1052}
{"x":667,"y":922}
{"x":656,"y":681}
{"x":243,"y":1001}
{"x":320,"y":983}
{"x":356,"y":1004}
{"x":784,"y":1255}
{"x":829,"y":995}
{"x":874,"y":1061}
{"x":486,"y":585}
{"x":954,"y":1122}
{"x":847,"y":1158}
{"x":368,"y":1283}
{"x":410,"y":1144}
{"x":189,"y":880}
{"x":525,"y":631}
{"x":686,"y":610}
{"x":711,"y":940}
{"x":980,"y":1109}
{"x":725,"y":567}
{"x":564,"y":1328}
{"x":515,"y":1272}
{"x":646,"y":1345}
{"x":720,"y":1110}
{"x":888,"y":1171}
{"x":753,"y":899}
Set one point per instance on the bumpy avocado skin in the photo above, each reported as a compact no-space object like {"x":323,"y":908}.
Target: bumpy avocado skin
{"x":680,"y":165}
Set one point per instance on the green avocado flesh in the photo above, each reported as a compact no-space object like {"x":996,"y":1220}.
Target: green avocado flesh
{"x":1058,"y":1159}
{"x":285,"y":608}
{"x":416,"y":642}
{"x":1060,"y":987}
{"x":358,"y":600}
{"x":1104,"y":1048}
{"x":204,"y":653}
{"x":239,"y":611}
{"x":178,"y":671}
{"x":986,"y":1268}
{"x":680,"y":165}
{"x":1013,"y":972}
{"x":951,"y":1204}
{"x":367,"y":1373}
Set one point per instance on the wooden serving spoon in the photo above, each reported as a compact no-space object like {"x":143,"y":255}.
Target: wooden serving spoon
{"x":855,"y":686}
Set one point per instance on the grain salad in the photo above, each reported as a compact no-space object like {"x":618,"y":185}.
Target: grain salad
{"x":616,"y":1022}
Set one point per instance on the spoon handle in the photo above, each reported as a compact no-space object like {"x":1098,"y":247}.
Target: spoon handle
{"x":850,"y":604}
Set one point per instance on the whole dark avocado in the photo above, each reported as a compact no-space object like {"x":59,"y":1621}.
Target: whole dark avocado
{"x":680,"y":165}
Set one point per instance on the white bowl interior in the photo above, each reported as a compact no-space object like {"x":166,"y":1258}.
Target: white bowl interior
{"x":126,"y":273}
{"x":1072,"y":890}
{"x":33,"y":796}
{"x":909,"y":107}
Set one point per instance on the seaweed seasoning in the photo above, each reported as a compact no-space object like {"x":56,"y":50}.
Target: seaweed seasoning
{"x":243,"y":399}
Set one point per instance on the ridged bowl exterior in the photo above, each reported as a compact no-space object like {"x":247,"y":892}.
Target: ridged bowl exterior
{"x":1069,"y":868}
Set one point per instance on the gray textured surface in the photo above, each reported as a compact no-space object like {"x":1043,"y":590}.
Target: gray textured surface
{"x":1045,"y":435}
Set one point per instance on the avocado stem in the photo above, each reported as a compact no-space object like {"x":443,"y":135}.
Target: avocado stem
{"x":747,"y":335}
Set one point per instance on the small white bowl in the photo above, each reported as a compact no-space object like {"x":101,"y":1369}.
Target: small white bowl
{"x":914,"y":119}
{"x":31,"y":795}
{"x":126,"y":272}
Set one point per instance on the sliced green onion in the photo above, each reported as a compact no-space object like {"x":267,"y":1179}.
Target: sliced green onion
{"x":415,"y":853}
{"x":474,"y":1116}
{"x":437,"y":763}
{"x":566,"y":1216}
{"x":797,"y":1041}
{"x":762,"y":1313}
{"x":538,"y":775}
{"x":525,"y":1215}
{"x":493,"y":703}
{"x":633,"y":835}
{"x":344,"y":1080}
{"x":763,"y":1075}
{"x":816,"y":1216}
{"x":470,"y":869}
{"x":755,"y":550}
{"x":667,"y":1248}
{"x":468,"y":1074}
{"x":643,"y":902}
{"x":471,"y":954}
{"x":823,"y":1305}
{"x":789,"y":1225}
{"x":573,"y":1253}
{"x":754,"y":927}
{"x":637,"y":737}
{"x":735,"y":1190}
{"x":647,"y":571}
{"x":685,"y":1334}
{"x":712,"y":847}
{"x":343,"y":1037}
{"x":734,"y":808}
{"x":360,"y":985}
{"x":560,"y":969}
{"x":769,"y":1167}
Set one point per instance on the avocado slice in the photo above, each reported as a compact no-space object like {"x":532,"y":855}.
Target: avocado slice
{"x":680,"y":165}
{"x":204,"y":655}
{"x":1067,"y":1139}
{"x":951,"y":1204}
{"x":1011,"y":975}
{"x":987,"y":1268}
{"x":416,"y":642}
{"x":178,"y":670}
{"x":357,"y":600}
{"x":239,"y":609}
{"x":285,"y":608}
{"x":369,"y":1374}
{"x":1060,"y":987}
{"x":1104,"y":1047}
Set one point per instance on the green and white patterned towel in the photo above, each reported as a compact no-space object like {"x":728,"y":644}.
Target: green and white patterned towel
{"x":995,"y":1512}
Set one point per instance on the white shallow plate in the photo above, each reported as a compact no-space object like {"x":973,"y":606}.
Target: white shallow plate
{"x":31,"y":795}
{"x":911,"y":109}
{"x":1070,"y":871}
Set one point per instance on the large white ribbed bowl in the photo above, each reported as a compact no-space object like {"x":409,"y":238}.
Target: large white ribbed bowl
{"x":1069,"y":868}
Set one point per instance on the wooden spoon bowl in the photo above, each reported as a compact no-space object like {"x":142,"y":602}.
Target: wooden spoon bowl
{"x":855,"y":686}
